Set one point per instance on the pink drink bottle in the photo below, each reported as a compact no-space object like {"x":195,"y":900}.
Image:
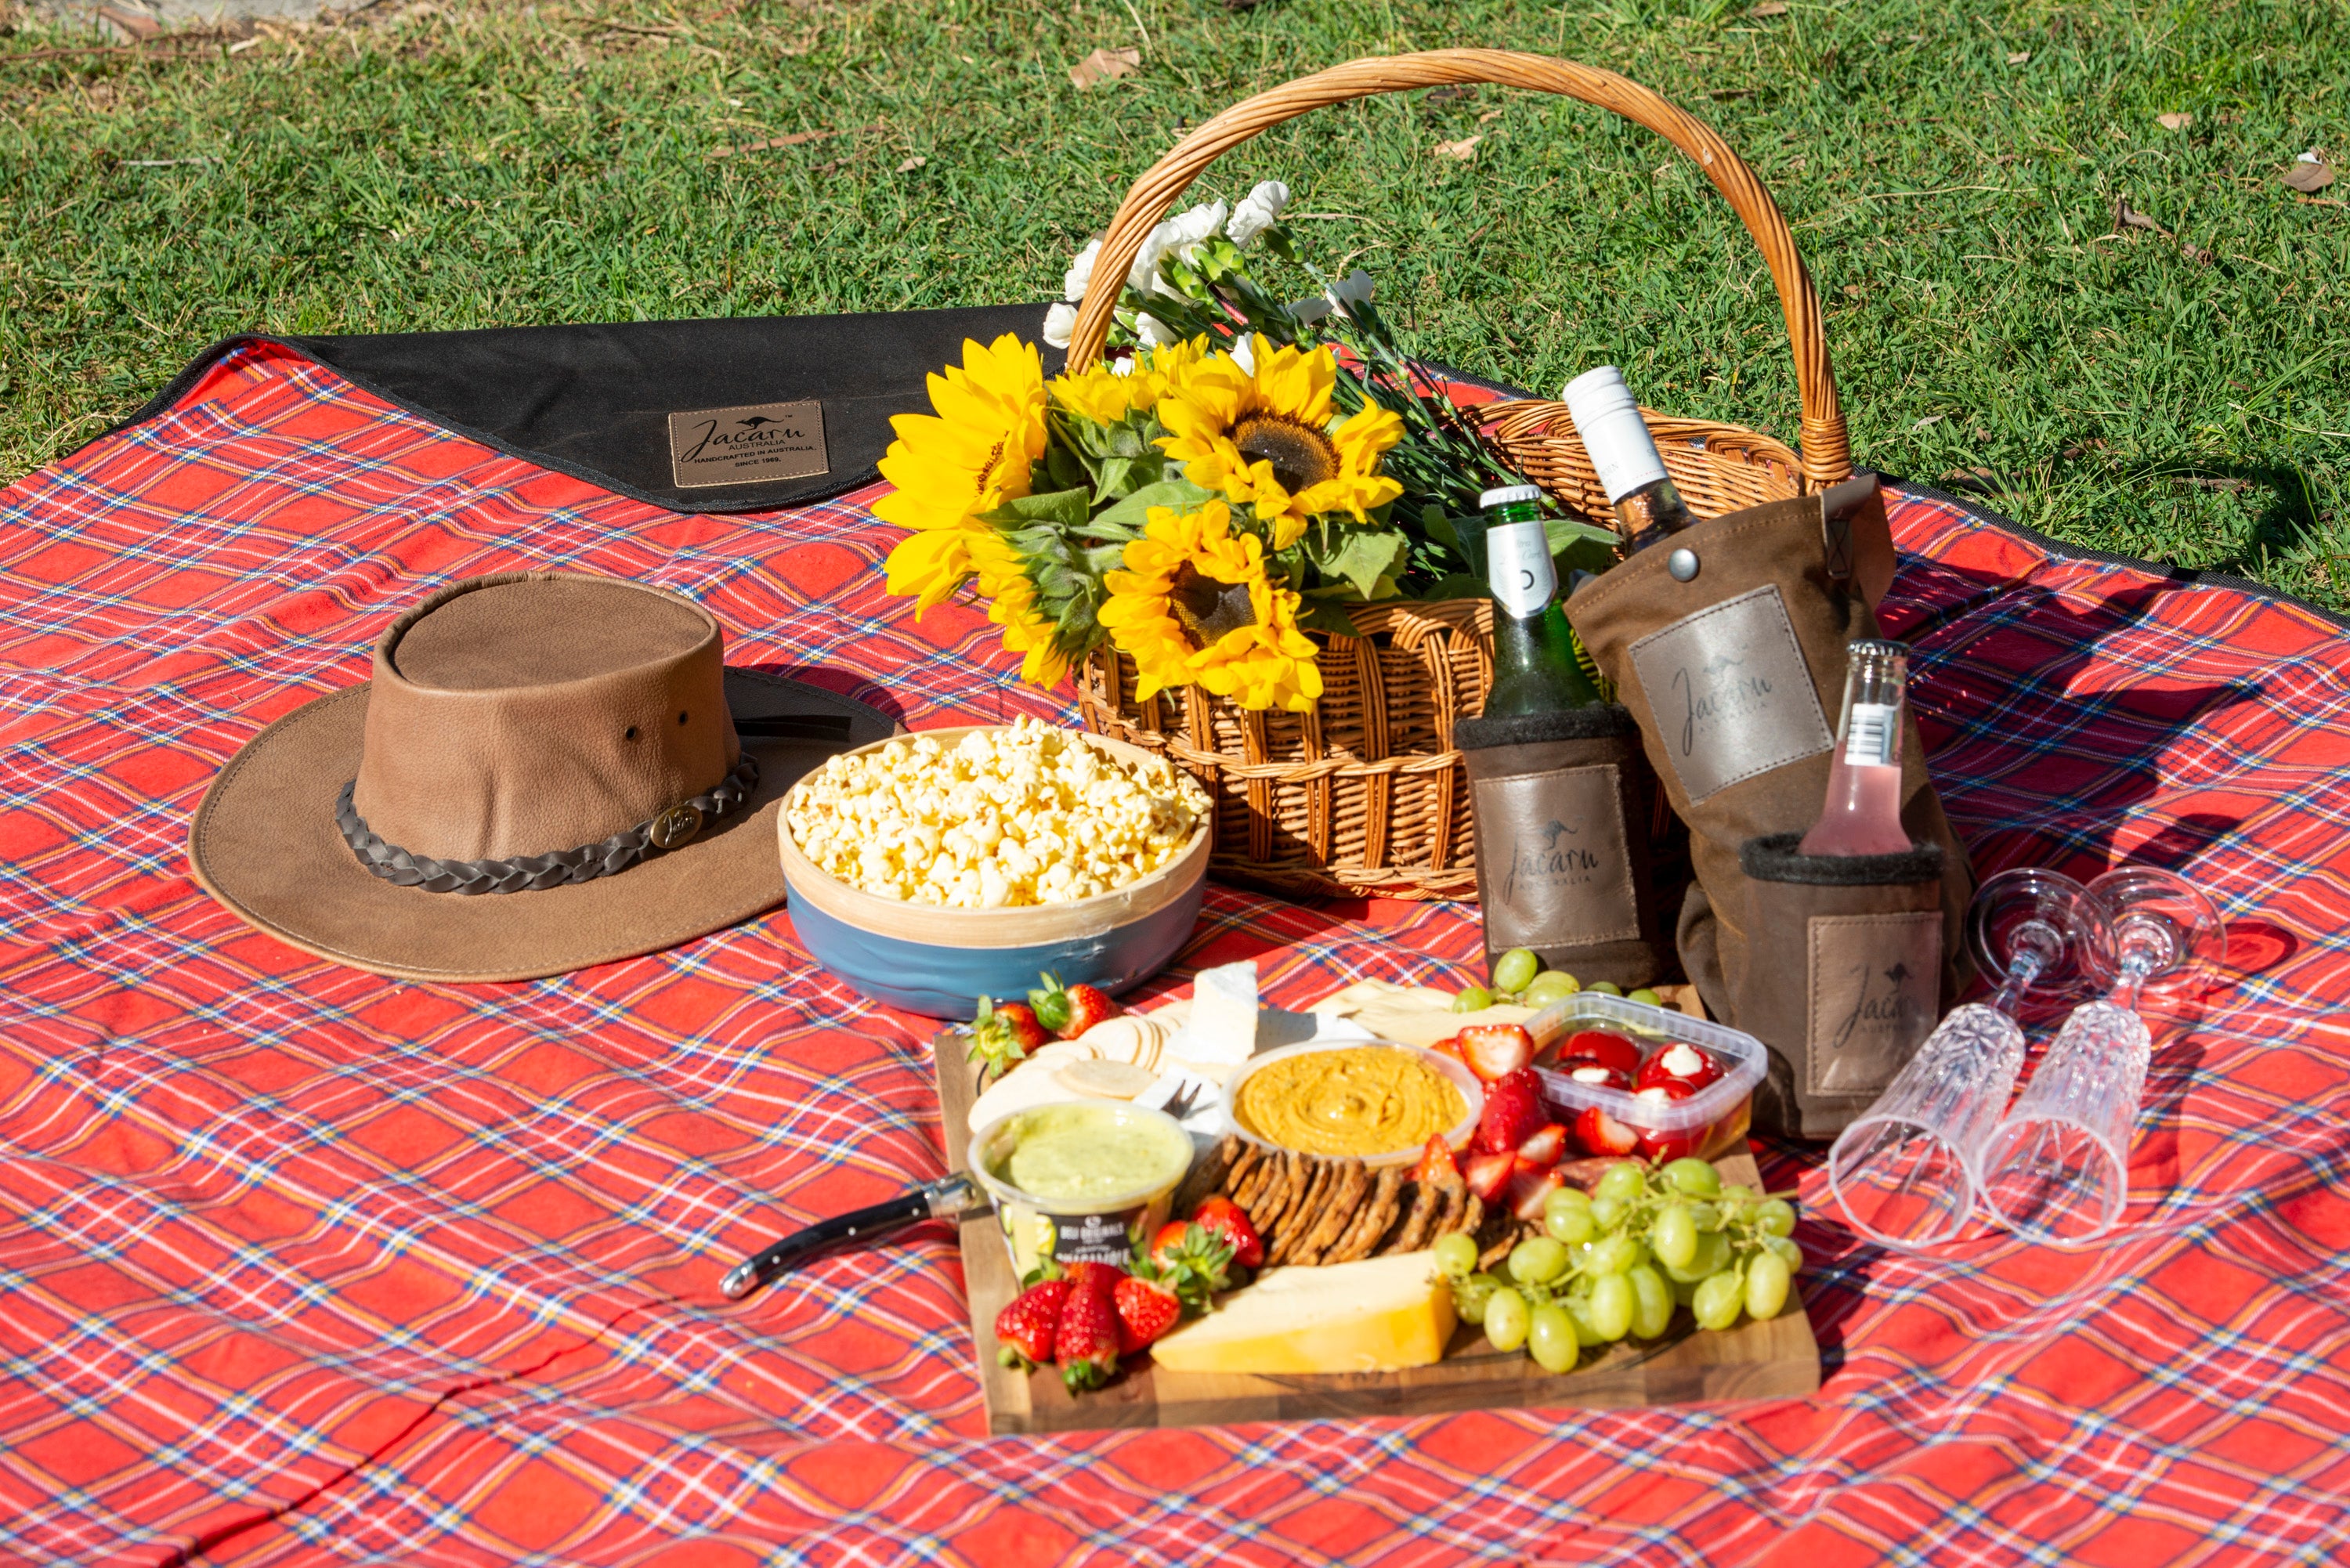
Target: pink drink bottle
{"x":1863,"y":813}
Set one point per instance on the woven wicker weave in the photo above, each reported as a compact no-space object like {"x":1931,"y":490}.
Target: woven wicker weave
{"x":1366,"y":795}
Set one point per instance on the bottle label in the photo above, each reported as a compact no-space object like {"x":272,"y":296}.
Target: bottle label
{"x":1553,"y":864}
{"x":1875,"y":984}
{"x":1868,"y":739}
{"x":1608,"y":417}
{"x":1518,"y":568}
{"x":1729,"y":693}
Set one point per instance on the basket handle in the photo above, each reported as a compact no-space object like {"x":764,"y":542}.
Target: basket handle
{"x":1826,"y":450}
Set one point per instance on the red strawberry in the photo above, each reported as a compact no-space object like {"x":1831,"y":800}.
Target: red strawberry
{"x":1085,"y":1343}
{"x":1146,"y":1308}
{"x":1529,"y":1185}
{"x":1069,"y":1010}
{"x":1513,"y":1110}
{"x":1546,"y":1145}
{"x":1002,"y":1036}
{"x":1601,"y":1048}
{"x":1678,"y":1064}
{"x":1601,"y":1134}
{"x":1661,"y":1146}
{"x":1222,"y":1217}
{"x":1489,"y":1174}
{"x":1163,"y":1245}
{"x":1091,"y":1274}
{"x":1496,"y":1050}
{"x":1436,"y":1161}
{"x":1194,"y":1262}
{"x":1026,"y":1326}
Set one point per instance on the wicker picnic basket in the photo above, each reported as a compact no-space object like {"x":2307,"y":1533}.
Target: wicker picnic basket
{"x":1366,"y":795}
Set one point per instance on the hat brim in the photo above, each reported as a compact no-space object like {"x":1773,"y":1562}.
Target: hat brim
{"x":265,"y":843}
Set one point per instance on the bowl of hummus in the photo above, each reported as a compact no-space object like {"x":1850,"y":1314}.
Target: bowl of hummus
{"x":1375,"y":1102}
{"x":1085,"y":1179}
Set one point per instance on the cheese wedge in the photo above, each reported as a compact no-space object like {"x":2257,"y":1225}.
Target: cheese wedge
{"x":1375,"y":1315}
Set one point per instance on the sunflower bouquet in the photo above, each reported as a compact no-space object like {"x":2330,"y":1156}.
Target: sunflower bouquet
{"x":1237,"y":472}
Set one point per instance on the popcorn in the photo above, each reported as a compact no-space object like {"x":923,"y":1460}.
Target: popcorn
{"x":1025,"y":814}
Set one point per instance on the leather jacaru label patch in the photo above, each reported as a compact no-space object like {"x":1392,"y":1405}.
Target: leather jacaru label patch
{"x":750,"y":445}
{"x":1874,"y":988}
{"x":1555,"y":866}
{"x":1729,"y":692}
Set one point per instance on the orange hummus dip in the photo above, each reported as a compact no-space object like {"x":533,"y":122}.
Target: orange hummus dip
{"x":1358,"y":1101}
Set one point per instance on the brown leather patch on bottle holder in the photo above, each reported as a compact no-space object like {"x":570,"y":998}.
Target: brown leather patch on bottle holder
{"x":1568,"y":876}
{"x":1875,"y":989}
{"x":1729,"y":692}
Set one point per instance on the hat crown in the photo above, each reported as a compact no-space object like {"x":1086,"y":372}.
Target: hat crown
{"x":533,"y":712}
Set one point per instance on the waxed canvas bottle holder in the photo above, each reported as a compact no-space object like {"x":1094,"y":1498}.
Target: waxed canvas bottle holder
{"x":1563,"y":805}
{"x":1727,"y":644}
{"x":1842,"y":976}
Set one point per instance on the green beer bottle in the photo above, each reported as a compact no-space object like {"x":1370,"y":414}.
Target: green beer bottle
{"x":1534,"y":668}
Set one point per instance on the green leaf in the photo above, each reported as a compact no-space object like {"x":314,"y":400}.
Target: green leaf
{"x":1134,"y":510}
{"x":1066,"y":469}
{"x":1360,"y":556}
{"x":1061,"y":508}
{"x":1457,"y":586}
{"x":1326,"y":617}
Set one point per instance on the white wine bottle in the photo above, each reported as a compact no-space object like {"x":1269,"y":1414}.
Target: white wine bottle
{"x":1608,"y":417}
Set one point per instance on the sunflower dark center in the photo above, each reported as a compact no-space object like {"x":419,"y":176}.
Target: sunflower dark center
{"x":1208,"y":609}
{"x":987,"y":468}
{"x":1301,"y":456}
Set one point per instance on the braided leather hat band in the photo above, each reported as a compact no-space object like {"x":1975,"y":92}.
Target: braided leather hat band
{"x":675,"y":827}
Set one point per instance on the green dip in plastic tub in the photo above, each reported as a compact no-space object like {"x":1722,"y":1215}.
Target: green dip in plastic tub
{"x":1088,"y":1178}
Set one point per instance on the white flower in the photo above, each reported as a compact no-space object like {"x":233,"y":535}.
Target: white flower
{"x":1144,"y":274}
{"x":1081,"y":271}
{"x":1060,"y":322}
{"x":1244,"y":351}
{"x":1181,"y":234}
{"x":1152,"y":332}
{"x":1258,"y":211}
{"x":1309,"y":311}
{"x":1355,"y":289}
{"x":1195,"y":227}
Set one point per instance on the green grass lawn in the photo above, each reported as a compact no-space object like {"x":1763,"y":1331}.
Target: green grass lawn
{"x":1951,"y":171}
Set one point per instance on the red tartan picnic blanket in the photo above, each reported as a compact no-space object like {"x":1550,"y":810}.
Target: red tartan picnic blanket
{"x":300,"y":1264}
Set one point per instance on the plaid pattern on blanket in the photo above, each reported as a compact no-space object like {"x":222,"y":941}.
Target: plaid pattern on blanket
{"x":298,"y":1264}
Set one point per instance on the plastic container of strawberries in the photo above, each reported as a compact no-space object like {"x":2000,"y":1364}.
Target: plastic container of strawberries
{"x":1716,"y":1117}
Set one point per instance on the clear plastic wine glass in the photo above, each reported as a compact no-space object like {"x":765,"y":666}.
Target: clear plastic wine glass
{"x":1905,"y":1173}
{"x":2057,"y":1170}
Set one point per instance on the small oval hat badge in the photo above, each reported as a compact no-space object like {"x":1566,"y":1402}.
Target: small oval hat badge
{"x":676,"y":826}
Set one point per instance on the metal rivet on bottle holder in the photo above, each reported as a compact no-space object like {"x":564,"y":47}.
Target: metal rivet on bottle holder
{"x":1681,"y":564}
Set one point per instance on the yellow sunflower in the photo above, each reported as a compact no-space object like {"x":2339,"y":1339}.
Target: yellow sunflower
{"x":1106,"y":396}
{"x":1194,"y":604}
{"x":970,"y":457}
{"x":1013,"y":606}
{"x":1265,"y":438}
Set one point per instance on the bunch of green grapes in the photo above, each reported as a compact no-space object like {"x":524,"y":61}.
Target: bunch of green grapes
{"x":1616,"y":1261}
{"x":1518,"y":976}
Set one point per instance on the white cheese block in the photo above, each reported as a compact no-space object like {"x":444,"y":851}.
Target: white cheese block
{"x":1375,"y":1315}
{"x":1223,"y":1024}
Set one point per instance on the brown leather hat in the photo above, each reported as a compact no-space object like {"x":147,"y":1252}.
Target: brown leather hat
{"x":547,"y":771}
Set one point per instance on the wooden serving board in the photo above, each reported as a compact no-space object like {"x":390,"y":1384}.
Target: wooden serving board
{"x":1778,"y":1359}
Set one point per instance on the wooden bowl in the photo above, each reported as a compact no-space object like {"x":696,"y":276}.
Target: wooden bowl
{"x":939,"y":961}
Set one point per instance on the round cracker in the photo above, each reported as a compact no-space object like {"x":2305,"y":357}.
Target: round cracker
{"x":1105,"y":1080}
